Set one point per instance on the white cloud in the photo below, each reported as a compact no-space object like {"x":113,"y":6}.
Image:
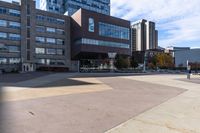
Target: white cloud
{"x":178,"y":20}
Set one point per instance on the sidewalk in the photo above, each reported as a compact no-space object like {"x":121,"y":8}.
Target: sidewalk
{"x":178,"y":115}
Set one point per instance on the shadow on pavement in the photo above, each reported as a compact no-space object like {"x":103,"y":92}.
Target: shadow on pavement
{"x":65,"y":82}
{"x":18,"y":77}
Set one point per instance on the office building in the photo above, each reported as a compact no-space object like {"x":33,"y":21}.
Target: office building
{"x":55,"y":6}
{"x":94,"y":35}
{"x":144,"y":36}
{"x":32,"y":38}
{"x":69,"y":7}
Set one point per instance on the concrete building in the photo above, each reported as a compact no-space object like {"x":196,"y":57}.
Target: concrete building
{"x":69,"y":7}
{"x":144,"y":36}
{"x":32,"y":38}
{"x":144,"y":39}
{"x":183,"y":54}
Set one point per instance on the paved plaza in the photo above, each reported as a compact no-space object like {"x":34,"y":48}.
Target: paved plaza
{"x":100,"y":103}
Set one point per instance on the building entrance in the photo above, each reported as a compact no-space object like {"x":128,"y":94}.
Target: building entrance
{"x":95,"y":65}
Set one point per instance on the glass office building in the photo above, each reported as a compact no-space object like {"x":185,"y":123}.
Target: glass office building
{"x":69,"y":7}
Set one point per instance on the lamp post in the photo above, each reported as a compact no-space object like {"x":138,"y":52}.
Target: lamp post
{"x":145,"y":58}
{"x":188,"y":70}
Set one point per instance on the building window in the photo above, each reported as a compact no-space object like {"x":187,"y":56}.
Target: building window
{"x":51,"y":30}
{"x":14,"y":37}
{"x":39,"y":50}
{"x":60,"y":42}
{"x":51,"y":51}
{"x":40,"y":39}
{"x":3,"y":35}
{"x":14,"y":12}
{"x":28,"y":21}
{"x":91,"y":25}
{"x":13,"y":49}
{"x":2,"y":10}
{"x":14,"y":25}
{"x":40,"y":17}
{"x":113,"y":31}
{"x":51,"y":62}
{"x":60,"y":31}
{"x":3,"y":23}
{"x":40,"y":29}
{"x":86,"y":41}
{"x":14,"y":60}
{"x":60,"y":62}
{"x":28,"y":9}
{"x":3,"y":61}
{"x":28,"y":44}
{"x":40,"y":61}
{"x":60,"y":52}
{"x":28,"y":33}
{"x":3,"y":48}
{"x":51,"y":40}
{"x":28,"y":55}
{"x":60,"y":21}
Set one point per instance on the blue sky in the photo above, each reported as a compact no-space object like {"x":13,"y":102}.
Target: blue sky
{"x":178,"y":21}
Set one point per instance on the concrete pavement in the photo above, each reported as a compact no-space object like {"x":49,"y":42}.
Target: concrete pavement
{"x":79,"y":103}
{"x":180,"y":114}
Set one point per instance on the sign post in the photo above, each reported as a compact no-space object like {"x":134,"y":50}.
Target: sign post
{"x":112,"y":57}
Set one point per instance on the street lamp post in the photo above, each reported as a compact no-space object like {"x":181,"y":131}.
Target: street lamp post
{"x":145,"y":58}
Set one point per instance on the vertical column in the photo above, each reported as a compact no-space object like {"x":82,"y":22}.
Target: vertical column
{"x":28,"y":34}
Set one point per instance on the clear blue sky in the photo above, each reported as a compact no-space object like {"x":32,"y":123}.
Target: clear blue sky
{"x":178,"y":21}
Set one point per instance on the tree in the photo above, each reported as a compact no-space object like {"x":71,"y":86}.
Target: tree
{"x":121,"y":62}
{"x":163,"y":60}
{"x":133,"y":63}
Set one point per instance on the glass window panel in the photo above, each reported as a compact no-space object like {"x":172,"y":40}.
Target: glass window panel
{"x":14,"y":12}
{"x":12,"y":49}
{"x":3,"y":23}
{"x":39,"y":50}
{"x":40,"y":29}
{"x":40,"y":39}
{"x":14,"y":25}
{"x":60,"y":42}
{"x":51,"y":30}
{"x":51,"y":51}
{"x":51,"y":40}
{"x":60,"y":31}
{"x":102,"y":43}
{"x":60,"y":52}
{"x":3,"y":48}
{"x":40,"y":61}
{"x":3,"y":61}
{"x":14,"y":60}
{"x":3,"y":35}
{"x":14,"y":37}
{"x":113,"y":31}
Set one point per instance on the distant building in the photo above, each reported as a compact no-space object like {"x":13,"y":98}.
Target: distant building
{"x":181,"y":56}
{"x":69,"y":7}
{"x":144,"y":36}
{"x":55,"y":6}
